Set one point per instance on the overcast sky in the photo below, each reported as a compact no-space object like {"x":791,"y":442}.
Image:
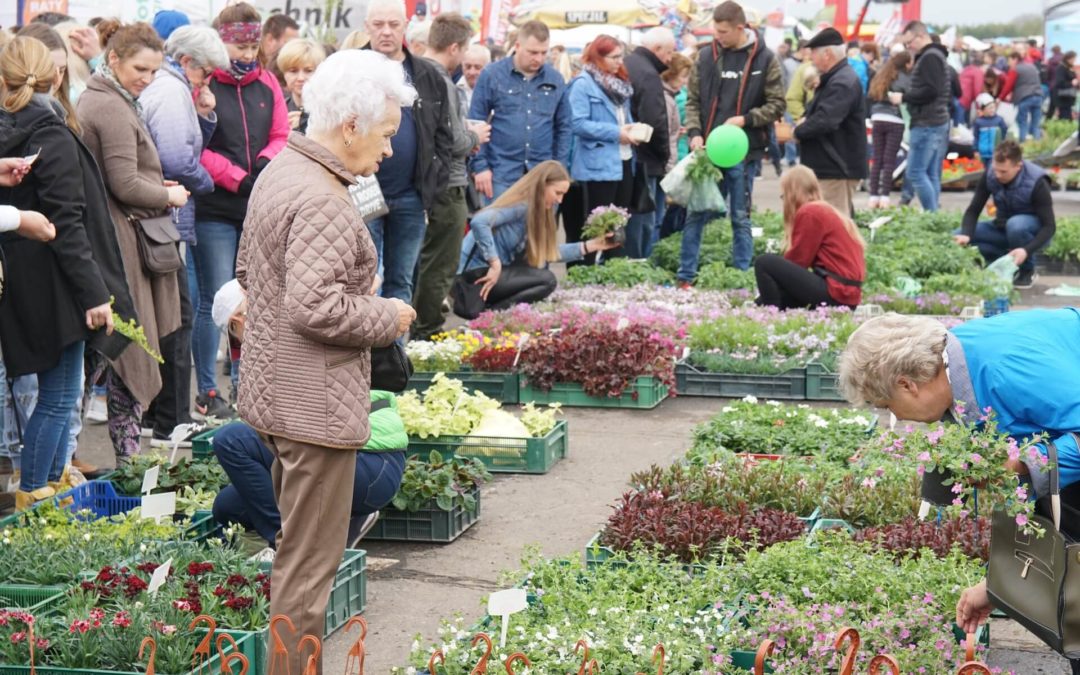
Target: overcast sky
{"x":934,"y":11}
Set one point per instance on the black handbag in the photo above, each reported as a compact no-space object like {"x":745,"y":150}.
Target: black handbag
{"x":465,"y":292}
{"x":158,"y":241}
{"x":641,"y":197}
{"x":390,"y":368}
{"x":1036,"y":580}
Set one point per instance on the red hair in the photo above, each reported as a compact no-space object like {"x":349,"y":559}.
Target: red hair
{"x":600,"y":48}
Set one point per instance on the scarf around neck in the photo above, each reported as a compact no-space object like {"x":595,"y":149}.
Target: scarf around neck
{"x":107,"y":74}
{"x":616,"y":88}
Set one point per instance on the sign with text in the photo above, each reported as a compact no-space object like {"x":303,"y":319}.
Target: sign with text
{"x":587,"y":16}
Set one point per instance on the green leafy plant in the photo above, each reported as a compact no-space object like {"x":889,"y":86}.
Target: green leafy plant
{"x":134,"y":332}
{"x":539,"y":421}
{"x":716,"y":276}
{"x":196,"y":474}
{"x":603,"y":220}
{"x":449,"y":483}
{"x":621,"y":272}
{"x":444,"y":409}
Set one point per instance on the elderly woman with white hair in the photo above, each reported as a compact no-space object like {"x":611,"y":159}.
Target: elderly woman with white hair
{"x":180,"y":127}
{"x":308,"y":265}
{"x":1023,"y":366}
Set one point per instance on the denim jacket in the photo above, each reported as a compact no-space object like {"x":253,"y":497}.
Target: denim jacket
{"x":501,"y":233}
{"x":594,"y":154}
{"x":531,"y":122}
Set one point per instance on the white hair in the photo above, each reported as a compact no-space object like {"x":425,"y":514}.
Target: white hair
{"x":839,"y":52}
{"x":355,"y":84}
{"x":477,"y":49}
{"x":418,"y":32}
{"x":201,"y":43}
{"x":886,"y":348}
{"x":396,"y":6}
{"x":660,"y":36}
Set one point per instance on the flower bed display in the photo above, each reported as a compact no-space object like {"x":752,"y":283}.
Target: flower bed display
{"x":196,"y":481}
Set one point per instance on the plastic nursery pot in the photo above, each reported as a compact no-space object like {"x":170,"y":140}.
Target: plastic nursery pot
{"x":934,"y":490}
{"x":619,"y":235}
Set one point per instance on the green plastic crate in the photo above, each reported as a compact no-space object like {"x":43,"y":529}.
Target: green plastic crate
{"x":202,"y":526}
{"x":348,"y":595}
{"x":202,"y":446}
{"x":692,"y":381}
{"x":498,"y":386}
{"x":430,"y":524}
{"x":501,"y":455}
{"x":34,"y":599}
{"x":644,"y":393}
{"x":822,"y":384}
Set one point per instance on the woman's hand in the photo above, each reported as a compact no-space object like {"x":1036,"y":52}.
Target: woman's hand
{"x":100,"y":316}
{"x":205,"y":101}
{"x":294,"y":118}
{"x":12,"y":171}
{"x":178,"y":196}
{"x":624,"y":135}
{"x":405,"y":316}
{"x":85,"y":43}
{"x":603,"y":243}
{"x":973,"y":609}
{"x":36,"y":226}
{"x":488,"y":281}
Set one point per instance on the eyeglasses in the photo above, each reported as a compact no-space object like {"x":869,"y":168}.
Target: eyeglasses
{"x":615,"y":57}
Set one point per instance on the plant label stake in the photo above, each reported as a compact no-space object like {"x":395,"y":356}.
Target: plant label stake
{"x":623,"y":323}
{"x":179,"y":433}
{"x":157,"y":579}
{"x":150,"y":479}
{"x":521,"y":345}
{"x":158,"y":506}
{"x":877,"y":223}
{"x":505,"y":603}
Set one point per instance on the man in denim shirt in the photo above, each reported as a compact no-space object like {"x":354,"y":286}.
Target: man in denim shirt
{"x":530,"y":123}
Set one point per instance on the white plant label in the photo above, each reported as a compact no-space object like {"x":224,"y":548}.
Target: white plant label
{"x":159,"y":506}
{"x":157,"y":579}
{"x":623,"y":323}
{"x":505,"y":603}
{"x":150,"y":479}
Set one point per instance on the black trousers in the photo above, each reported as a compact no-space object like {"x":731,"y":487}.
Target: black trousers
{"x":595,"y":193}
{"x":521,"y":284}
{"x":887,"y":137}
{"x":781,"y":283}
{"x":172,"y":406}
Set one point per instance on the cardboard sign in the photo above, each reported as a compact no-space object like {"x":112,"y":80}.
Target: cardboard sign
{"x":368,"y":198}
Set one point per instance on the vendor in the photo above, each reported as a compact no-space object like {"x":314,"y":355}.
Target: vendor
{"x":511,"y":242}
{"x":1025,"y":212}
{"x":823,"y":261}
{"x":1021,"y":365}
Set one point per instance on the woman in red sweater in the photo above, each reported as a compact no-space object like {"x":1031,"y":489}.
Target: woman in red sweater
{"x":823,"y":261}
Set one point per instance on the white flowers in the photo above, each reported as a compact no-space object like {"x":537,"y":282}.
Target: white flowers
{"x":750,"y":399}
{"x":7,"y":541}
{"x":86,"y":537}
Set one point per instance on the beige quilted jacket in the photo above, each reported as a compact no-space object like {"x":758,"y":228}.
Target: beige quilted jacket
{"x":307,"y":262}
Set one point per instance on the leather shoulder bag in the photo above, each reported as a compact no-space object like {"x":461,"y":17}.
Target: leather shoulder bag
{"x":157,"y":238}
{"x":1036,"y":580}
{"x":390,"y":368}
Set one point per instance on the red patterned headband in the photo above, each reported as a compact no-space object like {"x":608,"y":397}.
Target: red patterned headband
{"x":240,"y":32}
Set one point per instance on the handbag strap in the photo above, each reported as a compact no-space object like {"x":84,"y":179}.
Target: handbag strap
{"x":1055,"y":482}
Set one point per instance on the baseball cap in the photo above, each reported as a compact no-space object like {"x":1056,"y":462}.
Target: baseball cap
{"x":227,"y":300}
{"x":984,"y":99}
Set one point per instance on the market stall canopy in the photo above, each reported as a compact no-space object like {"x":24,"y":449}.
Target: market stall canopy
{"x":572,"y":13}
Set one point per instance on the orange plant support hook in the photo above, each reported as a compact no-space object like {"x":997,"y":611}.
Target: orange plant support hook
{"x":583,"y":645}
{"x":481,"y":665}
{"x":279,"y":655}
{"x":594,"y":667}
{"x":146,"y":642}
{"x":516,"y":657}
{"x":659,"y":654}
{"x":971,"y":666}
{"x":884,"y":661}
{"x":764,"y":651}
{"x":235,"y":656}
{"x":312,"y":665}
{"x":356,"y":651}
{"x":850,"y":635}
{"x":201,"y":658}
{"x":437,"y":655}
{"x":221,"y":640}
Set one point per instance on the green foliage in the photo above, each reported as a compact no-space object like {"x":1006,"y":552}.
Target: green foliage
{"x":198,"y":474}
{"x":445,"y":409}
{"x":1022,"y":26}
{"x":1066,"y":242}
{"x":620,"y":272}
{"x":130,"y":329}
{"x":717,"y":276}
{"x":450,"y":483}
{"x":540,"y":421}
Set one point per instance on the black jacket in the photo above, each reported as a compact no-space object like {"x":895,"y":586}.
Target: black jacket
{"x":434,"y":138}
{"x":649,"y":105}
{"x":1063,"y":78}
{"x":929,"y":97}
{"x":49,"y":286}
{"x":833,"y":132}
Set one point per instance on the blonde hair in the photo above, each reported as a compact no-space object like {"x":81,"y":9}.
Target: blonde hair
{"x":540,"y":243}
{"x":53,"y":41}
{"x":799,"y":187}
{"x":26,"y":68}
{"x":886,"y":348}
{"x":358,"y":39}
{"x":300,"y":52}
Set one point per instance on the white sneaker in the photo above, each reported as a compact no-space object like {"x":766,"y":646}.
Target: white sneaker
{"x":97,"y":412}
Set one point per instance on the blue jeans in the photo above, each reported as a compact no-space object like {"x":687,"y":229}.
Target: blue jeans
{"x":498,"y":186}
{"x":928,"y":146}
{"x":791,"y":147}
{"x":994,"y":242}
{"x":15,"y":412}
{"x":1029,"y":117}
{"x":77,"y":415}
{"x":640,"y":228}
{"x":249,"y":500}
{"x":215,"y":265}
{"x":46,"y":436}
{"x":737,"y":186}
{"x":398,"y":237}
{"x":659,"y":215}
{"x":192,"y":277}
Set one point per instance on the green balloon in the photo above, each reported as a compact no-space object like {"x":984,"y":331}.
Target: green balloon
{"x":727,"y":145}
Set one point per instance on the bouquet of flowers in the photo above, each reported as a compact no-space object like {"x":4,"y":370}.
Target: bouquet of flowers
{"x":604,"y":220}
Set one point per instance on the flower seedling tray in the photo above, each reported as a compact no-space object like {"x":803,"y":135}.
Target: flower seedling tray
{"x":501,"y":455}
{"x":348,"y":595}
{"x":430,"y":524}
{"x":821,"y":383}
{"x":501,"y":387}
{"x":598,"y":554}
{"x":644,"y":393}
{"x":37,"y":600}
{"x":202,"y":446}
{"x":692,"y":381}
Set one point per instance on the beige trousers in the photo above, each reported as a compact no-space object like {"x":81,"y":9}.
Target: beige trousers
{"x":841,"y":194}
{"x":313,"y":487}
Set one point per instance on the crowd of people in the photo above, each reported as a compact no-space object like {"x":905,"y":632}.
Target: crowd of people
{"x":208,"y":182}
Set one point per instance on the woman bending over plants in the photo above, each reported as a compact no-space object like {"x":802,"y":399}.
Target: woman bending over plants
{"x":823,"y":260}
{"x":512,"y":241}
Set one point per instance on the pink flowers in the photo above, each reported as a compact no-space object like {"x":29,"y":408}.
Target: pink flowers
{"x":121,"y":620}
{"x":1021,"y":519}
{"x":79,"y":626}
{"x":182,"y":605}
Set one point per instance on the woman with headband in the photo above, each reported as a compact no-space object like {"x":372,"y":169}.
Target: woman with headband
{"x":252,"y":127}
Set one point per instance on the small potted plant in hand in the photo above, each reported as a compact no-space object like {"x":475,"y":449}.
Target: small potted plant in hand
{"x":606,"y":220}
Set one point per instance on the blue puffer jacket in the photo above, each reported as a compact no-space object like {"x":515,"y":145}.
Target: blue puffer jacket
{"x":1024,"y":366}
{"x":594,"y":150}
{"x":180,"y":136}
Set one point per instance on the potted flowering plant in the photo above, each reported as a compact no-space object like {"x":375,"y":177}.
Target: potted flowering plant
{"x":605,"y":220}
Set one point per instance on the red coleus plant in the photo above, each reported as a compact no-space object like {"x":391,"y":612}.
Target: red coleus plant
{"x":492,"y":359}
{"x":603,"y":361}
{"x":911,"y":535}
{"x":691,"y":531}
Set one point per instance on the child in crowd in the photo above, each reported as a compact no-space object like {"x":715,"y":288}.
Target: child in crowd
{"x":989,"y":128}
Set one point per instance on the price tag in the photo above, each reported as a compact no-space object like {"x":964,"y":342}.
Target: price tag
{"x":158,"y":506}
{"x":505,"y":603}
{"x":157,"y":579}
{"x":150,"y":479}
{"x":179,"y":433}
